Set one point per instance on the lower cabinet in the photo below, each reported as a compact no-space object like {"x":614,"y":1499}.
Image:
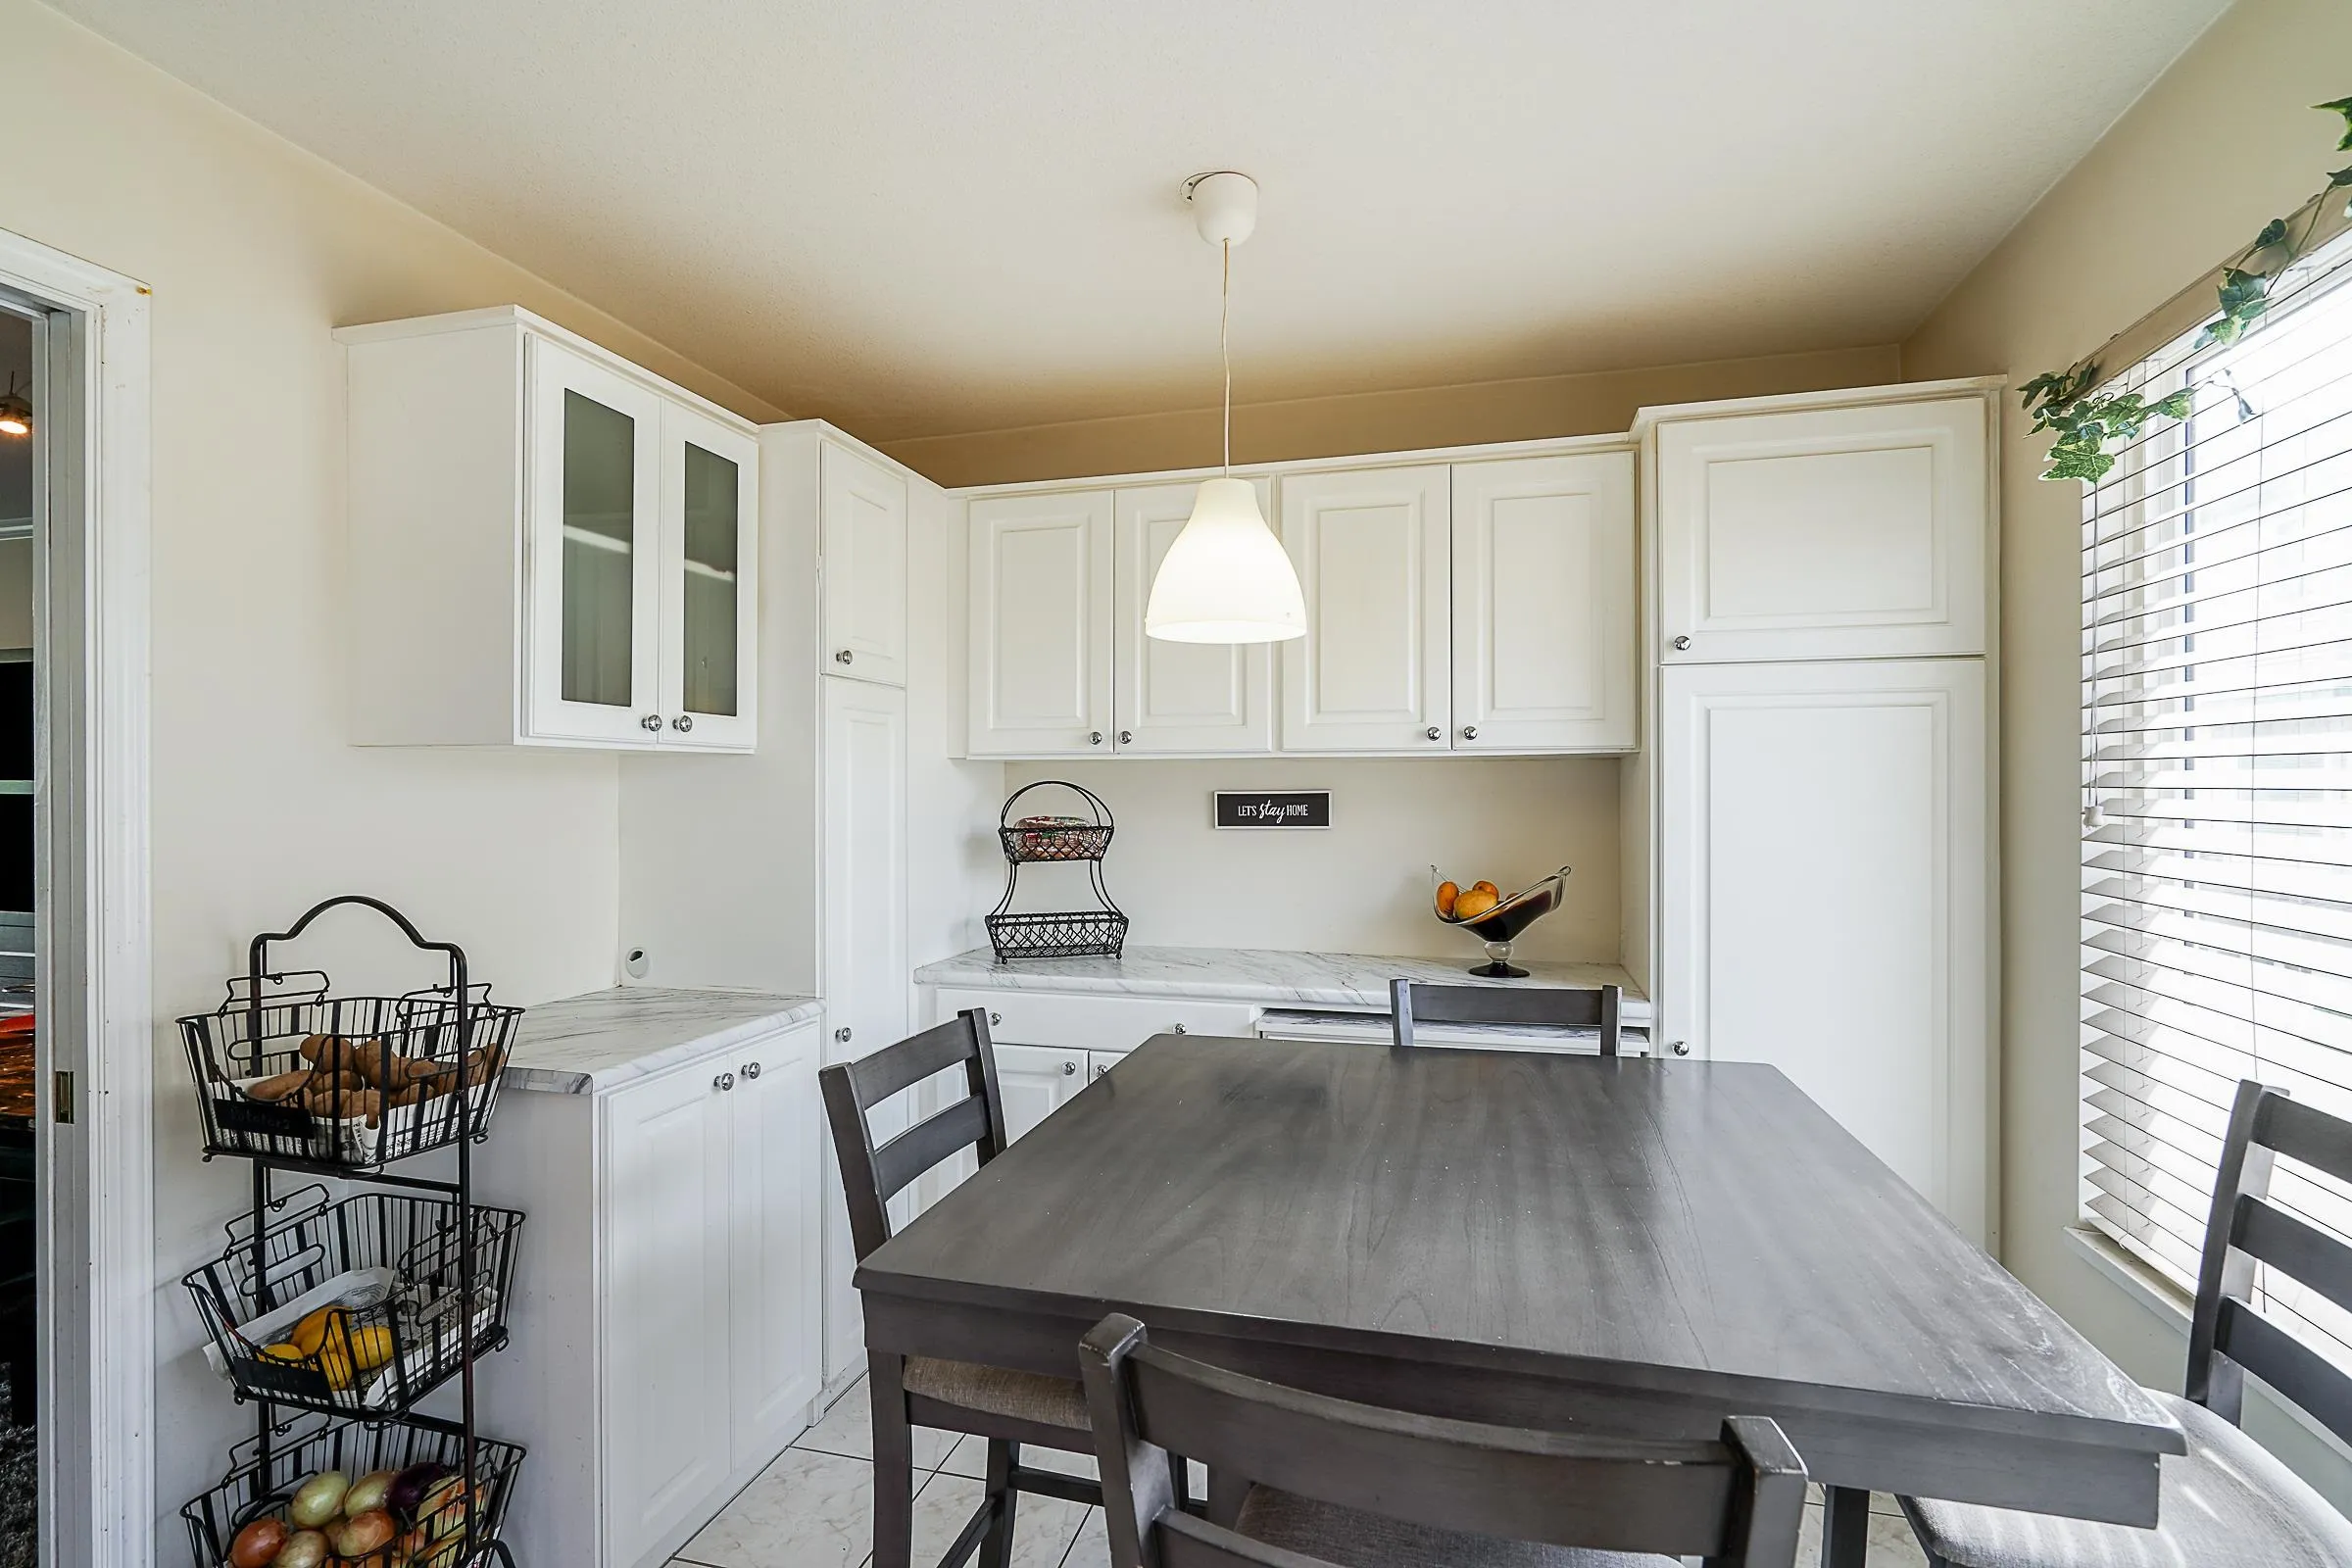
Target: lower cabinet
{"x":666,"y":1325}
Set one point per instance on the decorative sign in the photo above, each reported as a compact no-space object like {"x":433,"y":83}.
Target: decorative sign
{"x":1272,"y":808}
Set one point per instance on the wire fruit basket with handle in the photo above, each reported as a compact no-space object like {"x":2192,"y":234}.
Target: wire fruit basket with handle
{"x":1099,"y":932}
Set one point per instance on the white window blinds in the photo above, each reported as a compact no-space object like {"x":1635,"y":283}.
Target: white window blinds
{"x":2216,"y":731}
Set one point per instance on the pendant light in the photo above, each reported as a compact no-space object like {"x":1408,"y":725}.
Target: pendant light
{"x":16,"y":411}
{"x":1225,"y":578}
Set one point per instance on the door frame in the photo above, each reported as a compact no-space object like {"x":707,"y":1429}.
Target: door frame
{"x":93,"y":924}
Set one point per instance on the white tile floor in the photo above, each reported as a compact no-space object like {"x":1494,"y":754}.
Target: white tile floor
{"x":813,"y":1507}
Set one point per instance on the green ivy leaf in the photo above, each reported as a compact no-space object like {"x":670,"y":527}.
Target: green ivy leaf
{"x":2272,"y":233}
{"x":2177,"y":406}
{"x":2343,"y":107}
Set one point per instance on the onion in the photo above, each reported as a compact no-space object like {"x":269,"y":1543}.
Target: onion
{"x":410,"y":1486}
{"x":363,"y":1532}
{"x":370,"y":1490}
{"x":305,"y":1549}
{"x":321,"y":1498}
{"x":258,"y":1542}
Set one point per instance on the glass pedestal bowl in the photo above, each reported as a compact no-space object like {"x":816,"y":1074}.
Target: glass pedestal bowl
{"x":1499,"y":926}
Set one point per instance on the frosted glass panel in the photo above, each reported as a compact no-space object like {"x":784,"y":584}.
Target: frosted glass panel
{"x":711,"y":588}
{"x":600,"y":487}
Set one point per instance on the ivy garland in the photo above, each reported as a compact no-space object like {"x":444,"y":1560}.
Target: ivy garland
{"x":2085,"y":421}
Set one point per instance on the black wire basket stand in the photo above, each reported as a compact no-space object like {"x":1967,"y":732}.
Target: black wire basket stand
{"x":263,"y":1472}
{"x":382,"y":1079}
{"x":1099,"y":932}
{"x":383,"y":1277}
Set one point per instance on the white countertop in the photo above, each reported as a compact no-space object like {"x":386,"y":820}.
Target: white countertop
{"x":584,"y":1043}
{"x":1257,"y":974}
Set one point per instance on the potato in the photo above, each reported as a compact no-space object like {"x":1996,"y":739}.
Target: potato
{"x":386,"y":1068}
{"x":281,"y":1087}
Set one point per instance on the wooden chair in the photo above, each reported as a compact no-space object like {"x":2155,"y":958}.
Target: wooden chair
{"x":2228,"y":1503}
{"x":1571,"y":1006}
{"x":1327,"y":1481}
{"x":1008,"y":1408}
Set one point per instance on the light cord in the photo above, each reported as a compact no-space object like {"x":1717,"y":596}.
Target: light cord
{"x":1224,"y":345}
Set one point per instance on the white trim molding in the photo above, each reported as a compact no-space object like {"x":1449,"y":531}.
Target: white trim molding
{"x":94,"y":924}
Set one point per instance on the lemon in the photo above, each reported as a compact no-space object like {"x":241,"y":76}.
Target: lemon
{"x":283,"y":1353}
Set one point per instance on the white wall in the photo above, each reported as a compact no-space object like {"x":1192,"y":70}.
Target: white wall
{"x":1363,"y":885}
{"x":254,"y":251}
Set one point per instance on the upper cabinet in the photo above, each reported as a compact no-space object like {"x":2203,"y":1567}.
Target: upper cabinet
{"x":549,"y":545}
{"x":1374,"y":671}
{"x":864,"y":567}
{"x":1824,"y":532}
{"x":1465,"y":607}
{"x":1041,"y":609}
{"x":1543,"y":604}
{"x":1188,"y":699}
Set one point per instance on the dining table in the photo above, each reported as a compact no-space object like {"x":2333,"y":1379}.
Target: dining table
{"x":1569,"y":1243}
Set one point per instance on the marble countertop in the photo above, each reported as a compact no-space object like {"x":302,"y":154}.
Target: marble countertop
{"x":584,"y":1043}
{"x":1256,"y":974}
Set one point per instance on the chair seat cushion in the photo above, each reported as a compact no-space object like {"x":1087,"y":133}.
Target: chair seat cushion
{"x":2227,"y":1503}
{"x":1021,"y":1396}
{"x":1374,"y":1540}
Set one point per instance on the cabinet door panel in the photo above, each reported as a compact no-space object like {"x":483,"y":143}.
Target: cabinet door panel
{"x":777,"y":1249}
{"x":1824,"y":897}
{"x":667,"y":1332}
{"x":1034,"y":1080}
{"x":1543,"y":604}
{"x":1183,"y":697}
{"x":1040,"y":613}
{"x":709,"y":584}
{"x":865,"y":511}
{"x":1373,"y":671}
{"x":1824,"y":533}
{"x":593,"y":549}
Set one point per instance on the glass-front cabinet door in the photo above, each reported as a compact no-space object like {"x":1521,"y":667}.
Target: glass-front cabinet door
{"x":710,"y":576}
{"x":593,"y":543}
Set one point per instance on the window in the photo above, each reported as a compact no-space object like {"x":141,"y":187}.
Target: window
{"x":2217,"y":747}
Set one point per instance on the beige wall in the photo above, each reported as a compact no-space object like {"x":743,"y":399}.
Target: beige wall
{"x":2223,"y":142}
{"x":1377,"y":422}
{"x":254,"y":251}
{"x":1363,"y":886}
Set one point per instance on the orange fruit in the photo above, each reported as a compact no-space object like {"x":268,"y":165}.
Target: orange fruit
{"x":1487,"y":887}
{"x":1475,"y":902}
{"x":1446,"y":893}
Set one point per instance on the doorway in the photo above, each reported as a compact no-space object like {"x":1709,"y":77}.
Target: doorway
{"x":76,"y":1200}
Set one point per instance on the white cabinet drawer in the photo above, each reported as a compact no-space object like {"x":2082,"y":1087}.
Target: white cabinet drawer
{"x":1096,"y":1023}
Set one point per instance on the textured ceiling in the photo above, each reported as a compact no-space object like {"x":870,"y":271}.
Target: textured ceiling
{"x":920,"y":217}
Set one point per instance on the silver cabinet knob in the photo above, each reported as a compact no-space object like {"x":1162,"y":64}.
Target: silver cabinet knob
{"x":844,"y":656}
{"x":1680,"y":1047}
{"x":1469,"y":732}
{"x":1434,"y":733}
{"x":995,"y":1018}
{"x":723,"y":1082}
{"x":1180,"y":1029}
{"x":652,"y":721}
{"x":751,"y":1069}
{"x":842,"y":1034}
{"x":1681,"y":645}
{"x":682,"y":724}
{"x":1068,"y":1067}
{"x":1094,"y":737}
{"x":1126,"y":737}
{"x":1097,"y":1070}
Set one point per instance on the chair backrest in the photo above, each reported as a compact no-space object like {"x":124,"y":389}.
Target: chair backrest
{"x":1569,"y":1006}
{"x":871,"y":1176}
{"x":1736,"y":1503}
{"x":2228,"y":1338}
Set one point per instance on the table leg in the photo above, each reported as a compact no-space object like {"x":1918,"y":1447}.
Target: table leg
{"x":894,"y":1461}
{"x":1844,"y":1527}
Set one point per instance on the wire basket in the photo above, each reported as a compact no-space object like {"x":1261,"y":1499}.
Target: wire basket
{"x":265,"y":1472}
{"x":286,"y":1071}
{"x":1051,"y":934}
{"x":365,"y":1299}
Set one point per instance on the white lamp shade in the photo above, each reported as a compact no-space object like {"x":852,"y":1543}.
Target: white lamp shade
{"x":1226,"y":579}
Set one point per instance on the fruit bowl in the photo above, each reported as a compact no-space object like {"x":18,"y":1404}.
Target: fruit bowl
{"x":1497,"y":923}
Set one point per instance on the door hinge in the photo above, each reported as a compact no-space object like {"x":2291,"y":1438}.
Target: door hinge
{"x":61,"y":1096}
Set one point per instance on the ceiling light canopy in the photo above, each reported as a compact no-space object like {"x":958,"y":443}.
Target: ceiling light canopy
{"x":1225,"y":578}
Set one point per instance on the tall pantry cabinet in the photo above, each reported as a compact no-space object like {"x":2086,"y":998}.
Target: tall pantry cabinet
{"x":1821,"y":571}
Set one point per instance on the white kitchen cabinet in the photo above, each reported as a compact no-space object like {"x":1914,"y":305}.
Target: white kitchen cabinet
{"x":549,"y":545}
{"x":1034,"y":1080}
{"x":665,"y":1327}
{"x":862,"y":931}
{"x":1180,"y":699}
{"x":1824,"y":891}
{"x":1374,"y":671}
{"x":1040,"y":582}
{"x":863,"y":567}
{"x":1824,"y":532}
{"x":1543,"y":580}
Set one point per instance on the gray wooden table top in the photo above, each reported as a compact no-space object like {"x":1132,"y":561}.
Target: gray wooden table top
{"x":1693,"y":1227}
